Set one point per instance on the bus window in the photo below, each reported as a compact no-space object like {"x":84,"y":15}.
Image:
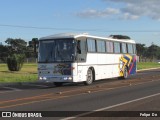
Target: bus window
{"x":109,"y":47}
{"x":91,"y":45}
{"x":79,"y":47}
{"x":124,"y":48}
{"x":100,"y":46}
{"x":56,"y":50}
{"x":117,"y":47}
{"x":134,"y":48}
{"x":130,"y":48}
{"x":81,"y":50}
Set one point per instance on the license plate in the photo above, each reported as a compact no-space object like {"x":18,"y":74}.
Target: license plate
{"x":44,"y":72}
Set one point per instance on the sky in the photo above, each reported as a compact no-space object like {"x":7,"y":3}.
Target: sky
{"x":27,"y":19}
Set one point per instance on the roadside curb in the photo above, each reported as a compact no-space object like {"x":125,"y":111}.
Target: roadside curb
{"x":148,"y":69}
{"x":15,"y":83}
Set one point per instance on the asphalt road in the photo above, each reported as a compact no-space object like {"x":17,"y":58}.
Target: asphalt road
{"x":138,"y":96}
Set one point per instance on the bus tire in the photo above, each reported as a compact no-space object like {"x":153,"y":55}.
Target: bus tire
{"x":90,"y":77}
{"x":125,"y":74}
{"x":58,"y":84}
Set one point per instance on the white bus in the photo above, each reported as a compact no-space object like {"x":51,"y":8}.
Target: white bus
{"x":84,"y":58}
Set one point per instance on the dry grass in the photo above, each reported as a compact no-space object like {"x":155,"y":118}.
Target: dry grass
{"x":28,"y":73}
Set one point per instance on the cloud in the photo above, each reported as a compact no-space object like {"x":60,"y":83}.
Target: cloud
{"x":128,"y":10}
{"x":128,"y":16}
{"x":92,"y":13}
{"x":139,"y":8}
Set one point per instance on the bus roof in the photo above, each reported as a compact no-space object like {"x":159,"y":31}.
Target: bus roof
{"x":74,"y":35}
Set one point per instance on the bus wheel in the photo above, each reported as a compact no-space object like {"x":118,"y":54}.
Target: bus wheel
{"x":58,"y":84}
{"x":125,"y":74}
{"x":89,"y":77}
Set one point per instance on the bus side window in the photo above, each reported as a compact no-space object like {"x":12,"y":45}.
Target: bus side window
{"x":124,"y":48}
{"x":79,"y":47}
{"x":130,"y":48}
{"x":134,"y":48}
{"x":81,"y":50}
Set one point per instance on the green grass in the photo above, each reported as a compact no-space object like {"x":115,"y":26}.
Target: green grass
{"x":28,"y":72}
{"x":145,"y":65}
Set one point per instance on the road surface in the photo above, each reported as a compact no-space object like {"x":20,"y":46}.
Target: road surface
{"x":138,"y":96}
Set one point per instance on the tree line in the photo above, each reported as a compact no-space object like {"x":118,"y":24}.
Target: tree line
{"x":16,"y":50}
{"x":151,"y":53}
{"x":18,"y":46}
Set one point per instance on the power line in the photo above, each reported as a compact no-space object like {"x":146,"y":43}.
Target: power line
{"x":50,"y":28}
{"x":75,"y":29}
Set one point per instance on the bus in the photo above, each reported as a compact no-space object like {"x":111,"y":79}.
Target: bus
{"x":85,"y":58}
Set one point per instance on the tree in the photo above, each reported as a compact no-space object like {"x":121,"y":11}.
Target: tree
{"x":17,"y":45}
{"x":153,"y":52}
{"x":4,"y":50}
{"x":15,"y":62}
{"x":16,"y":54}
{"x":140,"y":50}
{"x":32,"y":48}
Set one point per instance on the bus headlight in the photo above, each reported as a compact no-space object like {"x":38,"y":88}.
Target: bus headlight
{"x":42,"y":78}
{"x":67,"y":78}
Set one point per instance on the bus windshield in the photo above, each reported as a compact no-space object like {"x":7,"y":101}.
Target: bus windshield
{"x":56,"y":50}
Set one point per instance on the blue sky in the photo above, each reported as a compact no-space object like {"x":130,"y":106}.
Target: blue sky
{"x":139,"y":19}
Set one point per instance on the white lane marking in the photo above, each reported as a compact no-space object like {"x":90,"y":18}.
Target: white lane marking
{"x":112,"y":106}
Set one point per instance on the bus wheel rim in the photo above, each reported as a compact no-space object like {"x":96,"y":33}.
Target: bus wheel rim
{"x":89,"y":76}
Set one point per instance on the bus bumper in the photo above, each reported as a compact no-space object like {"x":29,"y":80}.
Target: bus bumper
{"x":55,"y":79}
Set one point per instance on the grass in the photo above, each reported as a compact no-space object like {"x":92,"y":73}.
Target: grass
{"x":145,"y":65}
{"x":28,"y":72}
